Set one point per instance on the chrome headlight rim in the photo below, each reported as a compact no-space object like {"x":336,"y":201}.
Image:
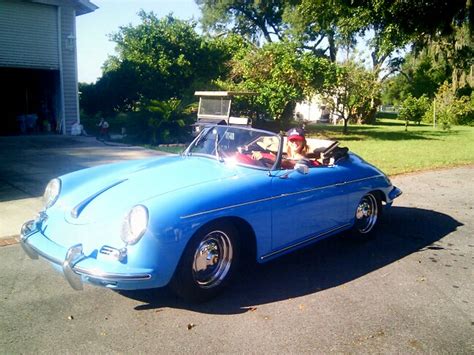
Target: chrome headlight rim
{"x":135,"y":224}
{"x":51,"y":192}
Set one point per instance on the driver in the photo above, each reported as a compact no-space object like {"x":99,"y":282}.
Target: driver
{"x":297,"y":146}
{"x":297,"y":149}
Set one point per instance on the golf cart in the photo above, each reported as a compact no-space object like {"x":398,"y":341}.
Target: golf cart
{"x":215,"y":108}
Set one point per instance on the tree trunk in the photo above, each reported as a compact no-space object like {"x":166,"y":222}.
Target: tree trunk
{"x":346,"y":120}
{"x":332,"y":47}
{"x":371,"y":117}
{"x":287,"y":115}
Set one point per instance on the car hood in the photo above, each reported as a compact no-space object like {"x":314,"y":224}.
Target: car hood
{"x":113,"y":190}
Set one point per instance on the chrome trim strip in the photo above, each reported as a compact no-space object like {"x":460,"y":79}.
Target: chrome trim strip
{"x":231,"y":206}
{"x":108,"y":276}
{"x":76,"y":211}
{"x":97,"y":274}
{"x":277,"y":197}
{"x":362,"y":179}
{"x":304,"y":241}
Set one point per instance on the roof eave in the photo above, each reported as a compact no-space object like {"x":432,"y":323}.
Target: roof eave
{"x":85,"y":7}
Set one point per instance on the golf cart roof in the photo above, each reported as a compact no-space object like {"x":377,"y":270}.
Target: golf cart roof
{"x":223,"y":93}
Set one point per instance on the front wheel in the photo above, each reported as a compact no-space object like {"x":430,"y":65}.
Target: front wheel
{"x":367,"y":214}
{"x":207,"y":263}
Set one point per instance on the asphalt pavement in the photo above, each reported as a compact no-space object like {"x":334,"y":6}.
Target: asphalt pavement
{"x":408,"y":290}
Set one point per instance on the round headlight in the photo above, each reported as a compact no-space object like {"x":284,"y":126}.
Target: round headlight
{"x":135,"y":224}
{"x":51,"y":193}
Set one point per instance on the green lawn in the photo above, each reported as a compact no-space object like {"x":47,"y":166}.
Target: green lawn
{"x":390,"y":148}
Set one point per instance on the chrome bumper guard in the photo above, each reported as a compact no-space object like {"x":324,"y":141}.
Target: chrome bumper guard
{"x":394,"y":193}
{"x":73,"y":272}
{"x":73,"y":256}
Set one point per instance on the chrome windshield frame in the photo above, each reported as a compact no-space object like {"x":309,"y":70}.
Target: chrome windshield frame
{"x":205,"y":131}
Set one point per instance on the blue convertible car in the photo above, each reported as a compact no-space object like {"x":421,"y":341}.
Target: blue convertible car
{"x":186,"y":220}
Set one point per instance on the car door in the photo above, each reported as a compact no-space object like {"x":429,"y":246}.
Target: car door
{"x":307,"y":205}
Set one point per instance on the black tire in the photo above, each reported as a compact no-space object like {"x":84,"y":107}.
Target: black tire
{"x":208,"y":263}
{"x":367,"y":215}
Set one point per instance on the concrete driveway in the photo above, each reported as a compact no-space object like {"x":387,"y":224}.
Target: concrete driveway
{"x":27,"y":163}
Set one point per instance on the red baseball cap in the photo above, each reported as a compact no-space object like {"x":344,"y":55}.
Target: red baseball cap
{"x":295,"y":134}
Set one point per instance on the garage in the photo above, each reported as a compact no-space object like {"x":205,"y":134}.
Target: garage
{"x":29,"y":99}
{"x":38,"y":65}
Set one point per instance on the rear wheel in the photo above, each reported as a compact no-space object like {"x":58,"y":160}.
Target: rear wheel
{"x":367,"y":215}
{"x":207,"y":263}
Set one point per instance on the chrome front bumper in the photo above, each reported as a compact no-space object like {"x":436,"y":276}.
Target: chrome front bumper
{"x":74,"y":273}
{"x":394,"y":193}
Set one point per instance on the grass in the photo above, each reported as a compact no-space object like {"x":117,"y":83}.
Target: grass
{"x":387,"y":145}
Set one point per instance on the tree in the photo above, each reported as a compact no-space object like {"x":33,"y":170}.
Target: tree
{"x":419,"y":74}
{"x":350,"y":92}
{"x":313,"y":28}
{"x":413,"y":109}
{"x":318,"y":26}
{"x":251,"y":19}
{"x":451,"y":109}
{"x":280,"y":74}
{"x":165,"y":51}
{"x":157,"y":59}
{"x":394,"y":24}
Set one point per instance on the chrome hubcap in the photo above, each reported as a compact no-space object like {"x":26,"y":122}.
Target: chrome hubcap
{"x":366,"y":214}
{"x":212,"y":259}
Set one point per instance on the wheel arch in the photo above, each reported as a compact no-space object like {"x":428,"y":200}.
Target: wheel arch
{"x":184,"y":281}
{"x":379,"y":194}
{"x":381,"y":197}
{"x":246,"y":234}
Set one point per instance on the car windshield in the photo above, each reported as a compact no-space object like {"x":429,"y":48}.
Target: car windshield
{"x":237,"y":145}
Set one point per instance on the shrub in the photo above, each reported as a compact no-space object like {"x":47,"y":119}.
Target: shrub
{"x":413,"y":109}
{"x":450,"y":109}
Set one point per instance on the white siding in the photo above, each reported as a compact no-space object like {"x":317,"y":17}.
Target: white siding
{"x":28,"y":35}
{"x":69,"y":67}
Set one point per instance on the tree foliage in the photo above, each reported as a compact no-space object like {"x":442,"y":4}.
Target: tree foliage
{"x":351,"y":92}
{"x":157,"y":59}
{"x":279,"y":73}
{"x":419,"y":74}
{"x":165,"y":51}
{"x":162,"y":120}
{"x":413,"y":109}
{"x":449,"y":109}
{"x":251,"y":19}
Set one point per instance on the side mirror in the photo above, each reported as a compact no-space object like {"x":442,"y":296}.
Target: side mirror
{"x":301,"y":168}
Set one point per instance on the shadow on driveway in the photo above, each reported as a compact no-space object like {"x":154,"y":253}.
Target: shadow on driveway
{"x":329,"y":263}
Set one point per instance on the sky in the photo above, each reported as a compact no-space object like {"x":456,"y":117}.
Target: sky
{"x":92,"y":30}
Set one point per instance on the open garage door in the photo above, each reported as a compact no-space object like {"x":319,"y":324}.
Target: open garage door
{"x":29,"y":67}
{"x":29,"y":101}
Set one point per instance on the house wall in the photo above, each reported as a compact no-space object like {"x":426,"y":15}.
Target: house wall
{"x":309,"y":110}
{"x":69,"y":67}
